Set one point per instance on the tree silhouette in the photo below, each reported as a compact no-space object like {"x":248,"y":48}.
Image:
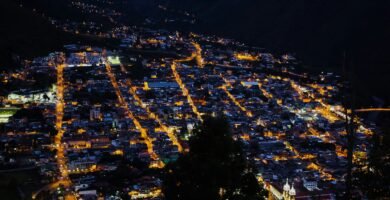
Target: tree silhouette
{"x":374,"y":179}
{"x":214,"y":168}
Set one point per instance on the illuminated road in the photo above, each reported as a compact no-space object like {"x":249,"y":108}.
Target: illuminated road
{"x":265,"y":93}
{"x":325,"y":175}
{"x":373,"y":110}
{"x":60,"y":154}
{"x":246,"y":57}
{"x":152,"y":115}
{"x":198,"y":54}
{"x":312,"y":166}
{"x":183,"y":87}
{"x":233,"y":99}
{"x":125,"y":105}
{"x":61,"y":159}
{"x":332,"y":114}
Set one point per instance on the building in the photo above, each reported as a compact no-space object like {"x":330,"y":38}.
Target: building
{"x":289,"y":193}
{"x":310,"y":184}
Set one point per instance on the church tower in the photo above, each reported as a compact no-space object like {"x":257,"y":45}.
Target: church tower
{"x":286,"y":189}
{"x":292,"y":192}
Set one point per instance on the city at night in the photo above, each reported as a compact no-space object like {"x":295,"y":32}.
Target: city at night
{"x":194,"y":100}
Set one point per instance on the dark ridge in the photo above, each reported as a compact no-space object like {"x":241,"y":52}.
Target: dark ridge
{"x":319,"y":32}
{"x":24,"y":39}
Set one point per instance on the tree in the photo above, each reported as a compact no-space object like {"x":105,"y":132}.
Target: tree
{"x":214,"y":168}
{"x":374,"y":179}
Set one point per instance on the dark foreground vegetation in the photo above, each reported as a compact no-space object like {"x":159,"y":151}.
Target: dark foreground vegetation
{"x":214,"y":168}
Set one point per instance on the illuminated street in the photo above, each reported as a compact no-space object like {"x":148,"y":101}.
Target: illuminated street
{"x":61,"y":159}
{"x":148,"y":141}
{"x":154,"y":116}
{"x":185,"y":90}
{"x":156,"y":100}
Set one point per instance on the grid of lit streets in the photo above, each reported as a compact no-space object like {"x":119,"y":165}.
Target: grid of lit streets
{"x":291,"y":124}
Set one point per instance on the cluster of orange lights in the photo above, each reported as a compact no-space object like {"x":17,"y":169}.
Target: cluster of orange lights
{"x":198,"y":54}
{"x":152,"y":115}
{"x":246,"y":57}
{"x":238,"y":104}
{"x":324,"y":110}
{"x":60,"y":155}
{"x":233,"y":99}
{"x":144,"y":133}
{"x":185,"y":91}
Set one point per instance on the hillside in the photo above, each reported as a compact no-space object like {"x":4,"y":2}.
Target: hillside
{"x":26,"y":34}
{"x":319,"y":32}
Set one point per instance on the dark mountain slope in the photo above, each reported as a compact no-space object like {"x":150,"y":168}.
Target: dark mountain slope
{"x":25,"y":34}
{"x":19,"y":36}
{"x":318,"y":31}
